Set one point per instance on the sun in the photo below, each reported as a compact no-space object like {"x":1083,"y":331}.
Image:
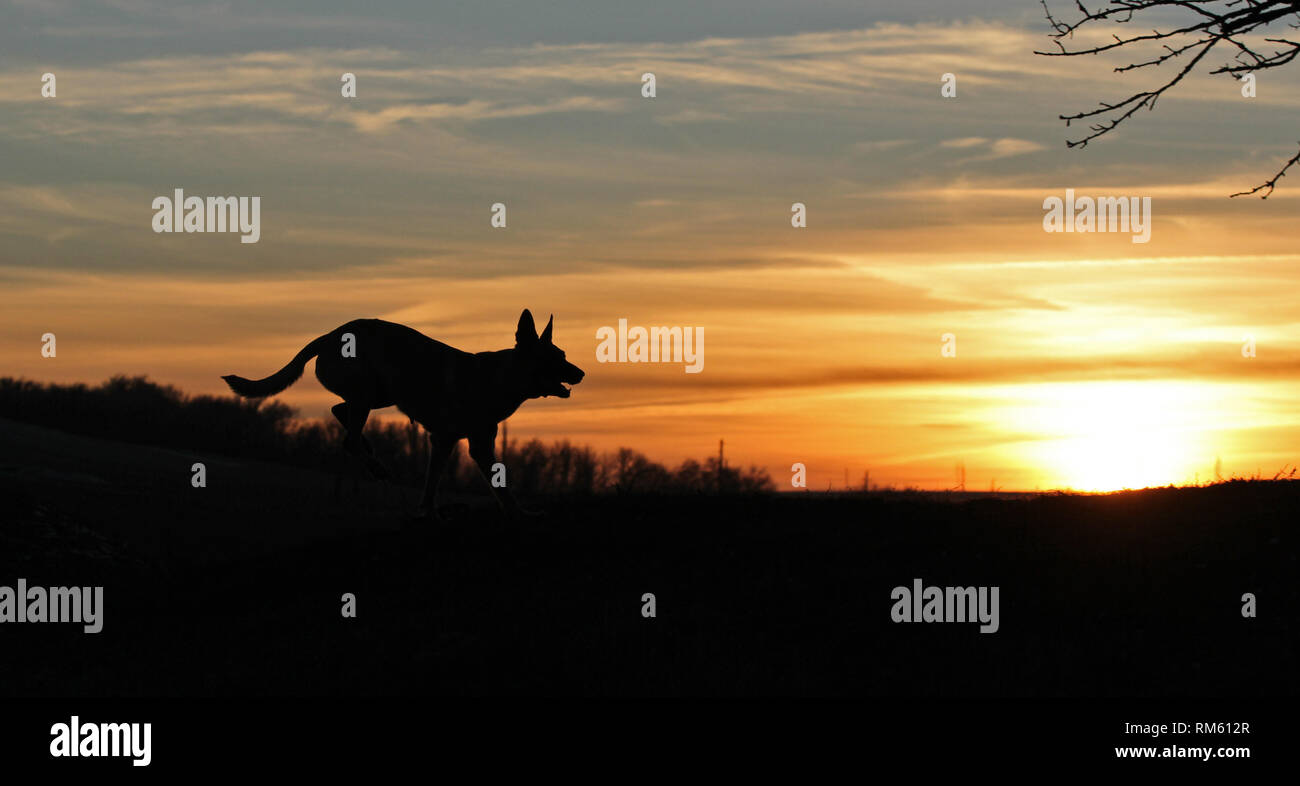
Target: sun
{"x":1106,"y":436}
{"x":1118,"y":459}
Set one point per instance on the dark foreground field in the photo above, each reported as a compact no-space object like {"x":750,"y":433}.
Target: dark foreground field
{"x":235,"y":589}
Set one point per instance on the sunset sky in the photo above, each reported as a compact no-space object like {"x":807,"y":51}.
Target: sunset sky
{"x":1082,"y":360}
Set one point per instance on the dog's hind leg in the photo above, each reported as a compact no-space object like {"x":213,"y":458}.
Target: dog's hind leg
{"x":440,"y":449}
{"x":344,"y":474}
{"x":353,"y":417}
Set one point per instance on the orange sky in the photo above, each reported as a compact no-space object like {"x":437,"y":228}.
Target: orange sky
{"x":1082,"y":361}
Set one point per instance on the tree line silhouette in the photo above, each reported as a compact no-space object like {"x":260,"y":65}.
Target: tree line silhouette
{"x":136,"y":410}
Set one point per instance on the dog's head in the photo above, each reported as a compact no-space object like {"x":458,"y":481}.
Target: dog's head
{"x":545,"y":371}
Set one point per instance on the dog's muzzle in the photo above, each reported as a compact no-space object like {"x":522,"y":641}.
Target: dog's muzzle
{"x":562,"y":387}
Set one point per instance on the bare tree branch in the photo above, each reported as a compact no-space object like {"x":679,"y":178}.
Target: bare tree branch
{"x":1271,"y":183}
{"x":1212,"y":23}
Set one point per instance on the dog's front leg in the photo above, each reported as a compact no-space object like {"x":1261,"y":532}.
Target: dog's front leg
{"x":482,"y":448}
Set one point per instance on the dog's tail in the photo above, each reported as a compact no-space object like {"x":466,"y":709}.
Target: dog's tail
{"x":257,"y":388}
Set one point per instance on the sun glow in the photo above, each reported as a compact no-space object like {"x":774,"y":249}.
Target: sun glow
{"x":1107,"y":436}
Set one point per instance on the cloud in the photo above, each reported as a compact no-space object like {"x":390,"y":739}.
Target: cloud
{"x":1014,"y":147}
{"x":880,"y":146}
{"x":992,"y":148}
{"x":964,"y":142}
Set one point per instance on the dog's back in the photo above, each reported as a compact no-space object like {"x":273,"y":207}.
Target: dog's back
{"x":380,"y":364}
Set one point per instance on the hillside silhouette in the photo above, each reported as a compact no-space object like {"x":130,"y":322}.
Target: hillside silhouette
{"x":234,"y":589}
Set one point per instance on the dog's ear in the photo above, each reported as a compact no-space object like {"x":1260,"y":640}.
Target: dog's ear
{"x":546,"y":333}
{"x":526,"y":333}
